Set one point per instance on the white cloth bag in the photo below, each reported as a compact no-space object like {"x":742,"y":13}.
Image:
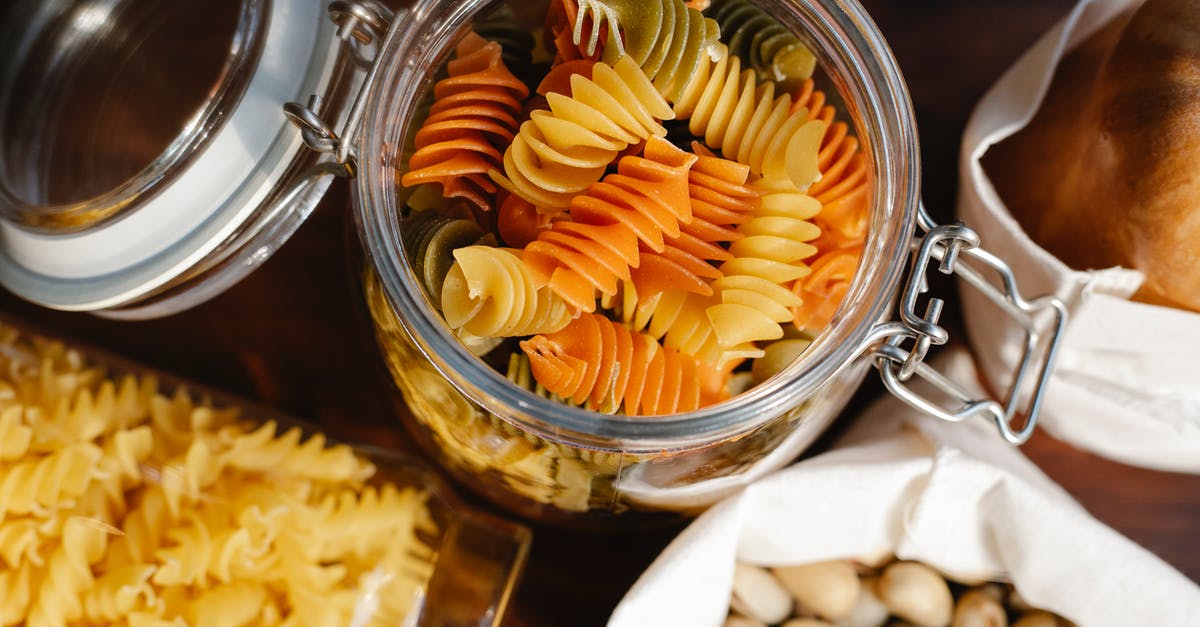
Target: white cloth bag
{"x":1127,"y":381}
{"x":954,"y":496}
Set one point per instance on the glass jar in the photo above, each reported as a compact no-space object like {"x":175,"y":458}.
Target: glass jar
{"x":149,"y":219}
{"x":547,"y":459}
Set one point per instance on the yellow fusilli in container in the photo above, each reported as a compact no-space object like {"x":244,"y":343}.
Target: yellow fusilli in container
{"x":130,"y":496}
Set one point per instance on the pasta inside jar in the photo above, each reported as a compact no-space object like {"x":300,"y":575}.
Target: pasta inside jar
{"x":637,"y":223}
{"x":635,"y":210}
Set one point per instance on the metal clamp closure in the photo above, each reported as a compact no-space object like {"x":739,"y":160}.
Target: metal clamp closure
{"x":956,"y":250}
{"x":363,"y":26}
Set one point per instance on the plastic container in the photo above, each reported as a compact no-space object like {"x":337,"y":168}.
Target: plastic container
{"x":228,"y":188}
{"x":467,"y":563}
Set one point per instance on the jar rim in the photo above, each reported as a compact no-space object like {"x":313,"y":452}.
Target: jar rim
{"x":859,"y":63}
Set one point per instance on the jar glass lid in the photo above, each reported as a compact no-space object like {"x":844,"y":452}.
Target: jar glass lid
{"x":142,"y":146}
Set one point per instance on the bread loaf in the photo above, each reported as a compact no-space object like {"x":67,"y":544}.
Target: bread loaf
{"x":1108,"y":172}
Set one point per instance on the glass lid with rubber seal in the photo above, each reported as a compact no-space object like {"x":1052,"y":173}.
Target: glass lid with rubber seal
{"x":145,"y":164}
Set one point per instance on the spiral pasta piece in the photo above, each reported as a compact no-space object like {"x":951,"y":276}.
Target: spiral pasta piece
{"x":239,"y":603}
{"x":263,"y":451}
{"x":489,"y":292}
{"x":15,"y":435}
{"x":748,"y":123}
{"x":843,"y":219}
{"x":754,"y":293}
{"x":823,"y":291}
{"x":474,"y":113}
{"x":16,"y":591}
{"x":721,"y":201}
{"x":119,"y":592}
{"x":666,"y":38}
{"x":842,"y":190}
{"x":769,"y":47}
{"x":559,"y":152}
{"x":519,"y":222}
{"x":561,"y":17}
{"x":40,"y":483}
{"x":644,"y":201}
{"x":20,"y":541}
{"x":68,"y":573}
{"x":603,"y":364}
{"x":430,"y":239}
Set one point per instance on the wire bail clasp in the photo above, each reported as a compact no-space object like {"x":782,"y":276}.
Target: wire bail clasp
{"x":955,"y":249}
{"x":363,"y":26}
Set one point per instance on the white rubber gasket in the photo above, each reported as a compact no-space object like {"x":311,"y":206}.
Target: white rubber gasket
{"x":129,"y":257}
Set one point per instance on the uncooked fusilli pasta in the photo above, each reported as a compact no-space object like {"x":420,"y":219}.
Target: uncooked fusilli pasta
{"x":162,"y":511}
{"x":489,"y":292}
{"x":769,"y":47}
{"x":475,"y":110}
{"x":594,"y":361}
{"x":559,"y":152}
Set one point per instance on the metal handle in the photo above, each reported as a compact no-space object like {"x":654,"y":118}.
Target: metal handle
{"x":951,"y":246}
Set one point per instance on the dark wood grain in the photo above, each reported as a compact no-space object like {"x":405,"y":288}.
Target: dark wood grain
{"x":294,"y":334}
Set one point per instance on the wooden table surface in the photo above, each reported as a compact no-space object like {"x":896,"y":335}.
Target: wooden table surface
{"x":295,"y":335}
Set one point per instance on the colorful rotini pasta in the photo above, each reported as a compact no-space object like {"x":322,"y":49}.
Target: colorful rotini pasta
{"x":769,"y":47}
{"x":475,"y":110}
{"x":710,"y":242}
{"x":748,"y":123}
{"x":559,"y":152}
{"x":666,"y":38}
{"x":824,"y":290}
{"x":489,"y":292}
{"x":645,"y":201}
{"x":594,"y":361}
{"x":163,"y":511}
{"x":430,"y":239}
{"x":843,"y":218}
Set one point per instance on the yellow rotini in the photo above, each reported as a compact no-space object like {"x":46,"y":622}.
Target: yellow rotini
{"x":489,"y":292}
{"x":559,"y":152}
{"x":666,"y":38}
{"x":748,"y":123}
{"x":119,"y":505}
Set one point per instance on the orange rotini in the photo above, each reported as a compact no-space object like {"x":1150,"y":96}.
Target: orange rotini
{"x":475,"y":110}
{"x":605,"y":365}
{"x":559,"y":152}
{"x":643,"y":202}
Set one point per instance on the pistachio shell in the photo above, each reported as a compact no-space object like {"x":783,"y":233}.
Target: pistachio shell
{"x":916,"y":593}
{"x":977,"y":608}
{"x":827,"y":589}
{"x":868,"y":610}
{"x":759,"y":595}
